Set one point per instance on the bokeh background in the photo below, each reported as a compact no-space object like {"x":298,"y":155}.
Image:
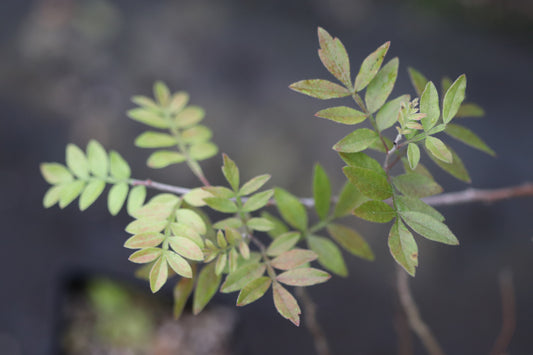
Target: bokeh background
{"x":69,"y":67}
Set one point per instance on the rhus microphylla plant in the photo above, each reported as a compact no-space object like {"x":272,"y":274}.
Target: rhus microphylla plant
{"x":176,"y":241}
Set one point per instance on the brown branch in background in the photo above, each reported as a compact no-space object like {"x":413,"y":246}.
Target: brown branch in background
{"x":311,"y":322}
{"x":508,"y":313}
{"x":403,"y":332}
{"x":477,"y":195}
{"x":419,"y":327}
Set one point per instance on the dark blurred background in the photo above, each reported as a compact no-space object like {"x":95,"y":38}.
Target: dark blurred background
{"x":68,"y":69}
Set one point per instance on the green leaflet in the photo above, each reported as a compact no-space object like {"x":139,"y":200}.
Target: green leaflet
{"x":189,"y":116}
{"x":202,"y":151}
{"x":438,"y":149}
{"x":363,"y":161}
{"x":195,"y":197}
{"x":416,"y":185}
{"x":305,"y":276}
{"x":116,"y":197}
{"x":342,"y":114}
{"x":182,"y":291}
{"x":293,"y":258}
{"x":136,"y":199}
{"x":320,"y":89}
{"x":456,"y":168}
{"x":370,"y":67}
{"x":429,"y":104}
{"x":257,"y":201}
{"x":186,"y":248}
{"x":429,"y":227}
{"x":183,"y":230}
{"x":221,"y":204}
{"x":145,"y":102}
{"x":206,"y":287}
{"x":77,"y":162}
{"x":286,"y":304}
{"x":253,"y":184}
{"x":146,"y":225}
{"x":144,"y":240}
{"x":375,"y":211}
{"x":192,"y":219}
{"x":356,"y":141}
{"x":196,"y":134}
{"x":178,"y":264}
{"x":55,"y":173}
{"x":413,"y":204}
{"x":470,"y":110}
{"x":91,"y":192}
{"x":351,"y":241}
{"x":155,"y":140}
{"x":291,"y":209}
{"x":403,"y":248}
{"x":279,"y":226}
{"x":453,"y":99}
{"x":253,"y":290}
{"x":97,"y":158}
{"x":349,"y":198}
{"x":260,"y":224}
{"x":387,"y":116}
{"x":381,"y":86}
{"x":148,"y":117}
{"x":334,"y":57}
{"x":468,"y":137}
{"x":283,"y":243}
{"x":321,"y":191}
{"x":371,"y":183}
{"x":232,"y":222}
{"x":221,"y":263}
{"x":413,"y":155}
{"x":158,"y":274}
{"x":418,"y":80}
{"x":329,"y":255}
{"x":52,"y":195}
{"x":69,"y":192}
{"x":163,"y":158}
{"x":231,"y":172}
{"x":145,"y":255}
{"x":118,"y":167}
{"x":161,"y":93}
{"x":178,"y":102}
{"x":238,"y":279}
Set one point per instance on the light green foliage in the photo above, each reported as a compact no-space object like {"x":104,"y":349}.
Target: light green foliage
{"x":173,"y":237}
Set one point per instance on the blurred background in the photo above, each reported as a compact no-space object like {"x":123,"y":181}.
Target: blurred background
{"x":69,"y":67}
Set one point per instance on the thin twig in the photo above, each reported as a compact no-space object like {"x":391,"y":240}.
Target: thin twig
{"x":160,"y":186}
{"x":477,"y":195}
{"x":508,"y":313}
{"x":418,"y":326}
{"x":403,"y":332}
{"x":311,"y":322}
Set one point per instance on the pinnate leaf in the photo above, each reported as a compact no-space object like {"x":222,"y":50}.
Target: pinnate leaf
{"x":320,"y":89}
{"x":351,"y":241}
{"x":253,"y":290}
{"x":329,"y":255}
{"x":356,"y":141}
{"x":291,"y":209}
{"x":342,"y":114}
{"x":206,"y":287}
{"x":381,"y":86}
{"x":370,"y":67}
{"x":286,"y":304}
{"x":453,"y":99}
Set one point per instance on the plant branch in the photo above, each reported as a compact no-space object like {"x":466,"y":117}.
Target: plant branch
{"x":311,"y":322}
{"x":508,"y":313}
{"x":478,"y":195}
{"x":418,"y":326}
